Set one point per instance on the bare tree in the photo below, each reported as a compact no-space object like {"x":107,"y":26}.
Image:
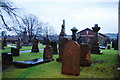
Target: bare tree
{"x":47,"y":30}
{"x":8,"y":8}
{"x":32,"y":24}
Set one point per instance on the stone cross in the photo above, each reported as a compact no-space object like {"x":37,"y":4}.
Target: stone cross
{"x":95,"y":45}
{"x":74,"y":30}
{"x":35,"y":45}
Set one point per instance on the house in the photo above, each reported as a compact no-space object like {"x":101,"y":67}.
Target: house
{"x":86,"y":35}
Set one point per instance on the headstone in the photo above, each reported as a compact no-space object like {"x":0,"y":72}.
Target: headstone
{"x":35,"y":45}
{"x":62,"y":43}
{"x":15,"y":51}
{"x":74,"y":30}
{"x":116,"y":44}
{"x":62,"y":33}
{"x":94,"y":42}
{"x":2,"y":44}
{"x":71,"y":58}
{"x":5,"y":42}
{"x":19,"y":43}
{"x":7,"y":59}
{"x":85,"y":57}
{"x":108,"y":47}
{"x":25,"y":38}
{"x":47,"y":52}
{"x":54,"y":46}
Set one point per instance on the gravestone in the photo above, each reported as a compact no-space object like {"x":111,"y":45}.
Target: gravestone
{"x":15,"y":51}
{"x":116,"y":44}
{"x":19,"y":43}
{"x":7,"y":59}
{"x":2,"y":44}
{"x":108,"y":47}
{"x":48,"y":52}
{"x":5,"y":42}
{"x":71,"y":58}
{"x":35,"y":45}
{"x":62,"y":43}
{"x":74,"y":30}
{"x":94,"y":43}
{"x":25,"y":38}
{"x":62,"y":33}
{"x":54,"y":46}
{"x":85,"y":57}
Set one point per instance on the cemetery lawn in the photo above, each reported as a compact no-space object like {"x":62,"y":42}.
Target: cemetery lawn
{"x":107,"y":69}
{"x":8,"y":48}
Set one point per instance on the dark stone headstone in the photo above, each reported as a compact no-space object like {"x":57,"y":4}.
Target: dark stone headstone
{"x":85,"y":57}
{"x":5,"y":42}
{"x":62,"y":43}
{"x":95,"y":44}
{"x":54,"y":46}
{"x":108,"y":47}
{"x":25,"y":38}
{"x":74,"y":30}
{"x":7,"y":59}
{"x":19,"y":43}
{"x":71,"y":58}
{"x":35,"y":45}
{"x":2,"y":44}
{"x":15,"y":51}
{"x":48,"y":52}
{"x":115,"y":44}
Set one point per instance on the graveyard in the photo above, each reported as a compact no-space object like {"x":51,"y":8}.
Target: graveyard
{"x":102,"y":67}
{"x":31,"y":48}
{"x":65,"y":59}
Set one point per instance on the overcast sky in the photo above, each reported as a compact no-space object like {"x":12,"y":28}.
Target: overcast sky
{"x":79,"y":13}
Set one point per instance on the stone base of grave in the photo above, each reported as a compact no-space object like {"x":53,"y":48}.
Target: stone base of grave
{"x":59,"y":60}
{"x":30,"y":63}
{"x":34,"y":51}
{"x":85,"y":63}
{"x":95,"y":50}
{"x":7,"y":59}
{"x":15,"y":51}
{"x":108,"y":47}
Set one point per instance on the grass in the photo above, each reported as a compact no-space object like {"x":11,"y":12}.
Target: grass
{"x":107,"y":69}
{"x":8,"y":49}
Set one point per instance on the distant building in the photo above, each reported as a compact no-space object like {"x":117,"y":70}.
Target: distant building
{"x":87,"y":35}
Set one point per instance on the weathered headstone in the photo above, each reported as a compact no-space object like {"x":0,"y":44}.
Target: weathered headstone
{"x":108,"y":47}
{"x":71,"y":58}
{"x":7,"y":59}
{"x":15,"y":51}
{"x":35,"y":45}
{"x":74,"y":30}
{"x":5,"y":41}
{"x":48,"y":52}
{"x":94,"y":42}
{"x":2,"y":44}
{"x":62,"y":33}
{"x":54,"y":46}
{"x":19,"y":43}
{"x":25,"y":38}
{"x":85,"y":57}
{"x":62,"y":43}
{"x":116,"y":44}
